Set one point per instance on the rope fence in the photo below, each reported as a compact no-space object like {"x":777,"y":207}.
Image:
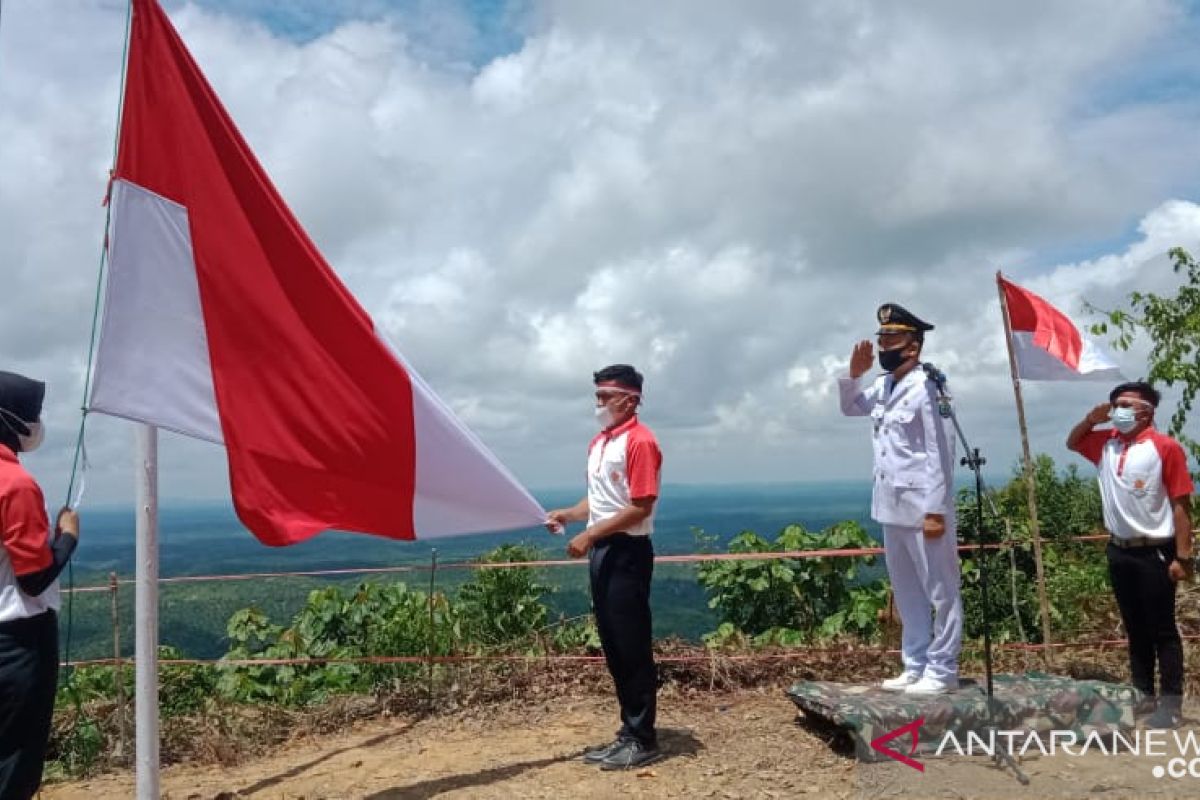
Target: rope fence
{"x":113,"y":584}
{"x":687,"y":558}
{"x":798,"y":653}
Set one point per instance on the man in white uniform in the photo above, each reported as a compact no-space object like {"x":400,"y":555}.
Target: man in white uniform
{"x":913,"y":499}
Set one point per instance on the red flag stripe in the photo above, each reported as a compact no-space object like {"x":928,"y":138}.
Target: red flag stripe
{"x":316,"y":413}
{"x":1052,"y":330}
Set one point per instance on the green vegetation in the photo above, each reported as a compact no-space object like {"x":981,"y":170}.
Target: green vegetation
{"x":1172,"y":324}
{"x":394,"y":633}
{"x":1076,"y":573}
{"x":794,"y":601}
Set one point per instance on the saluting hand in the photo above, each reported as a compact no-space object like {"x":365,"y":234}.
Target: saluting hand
{"x":861,"y":359}
{"x":1099,"y":414}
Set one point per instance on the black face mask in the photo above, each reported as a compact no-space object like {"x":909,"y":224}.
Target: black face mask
{"x":890,"y":360}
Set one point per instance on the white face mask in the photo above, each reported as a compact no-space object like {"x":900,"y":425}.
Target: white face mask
{"x":604,"y":417}
{"x":37,"y":434}
{"x":1124,"y":419}
{"x":27,"y":442}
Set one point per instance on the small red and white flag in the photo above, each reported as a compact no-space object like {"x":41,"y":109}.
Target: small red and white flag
{"x":223,"y":322}
{"x":1048,"y":346}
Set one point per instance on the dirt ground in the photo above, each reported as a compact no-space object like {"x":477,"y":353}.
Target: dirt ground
{"x":746,"y":744}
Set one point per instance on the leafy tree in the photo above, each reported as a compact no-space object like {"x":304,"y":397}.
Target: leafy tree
{"x":373,"y":620}
{"x":498,"y":607}
{"x":1173,"y":326}
{"x":501,"y":606}
{"x":789,"y":601}
{"x":1076,"y":573}
{"x":1068,"y":505}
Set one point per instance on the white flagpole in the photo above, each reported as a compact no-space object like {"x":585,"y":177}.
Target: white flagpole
{"x":146,"y":613}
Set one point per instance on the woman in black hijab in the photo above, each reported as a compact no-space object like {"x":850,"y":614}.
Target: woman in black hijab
{"x":30,"y":562}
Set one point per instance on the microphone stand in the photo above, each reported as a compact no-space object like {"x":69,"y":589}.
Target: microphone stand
{"x":974,"y":461}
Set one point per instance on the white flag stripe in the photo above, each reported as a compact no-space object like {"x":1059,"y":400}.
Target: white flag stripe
{"x":153,"y":310}
{"x":1036,"y":364}
{"x":152,"y":361}
{"x":450,"y":457}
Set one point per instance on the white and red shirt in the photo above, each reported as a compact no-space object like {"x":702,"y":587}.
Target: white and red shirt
{"x":624,"y":464}
{"x":25,"y":533}
{"x":1138,"y":480}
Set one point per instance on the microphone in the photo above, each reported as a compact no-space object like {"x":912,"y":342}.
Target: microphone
{"x":939,"y":380}
{"x":936,"y":375}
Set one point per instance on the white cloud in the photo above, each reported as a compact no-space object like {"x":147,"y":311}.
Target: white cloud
{"x":719,"y":193}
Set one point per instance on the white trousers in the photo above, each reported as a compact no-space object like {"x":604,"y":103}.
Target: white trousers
{"x":925,"y":582}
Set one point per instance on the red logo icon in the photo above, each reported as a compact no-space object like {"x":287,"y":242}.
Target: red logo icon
{"x":914,"y":728}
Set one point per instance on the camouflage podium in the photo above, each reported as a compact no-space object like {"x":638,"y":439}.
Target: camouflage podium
{"x":1031,"y":702}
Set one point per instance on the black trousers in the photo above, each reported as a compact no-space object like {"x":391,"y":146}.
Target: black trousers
{"x":28,"y":679}
{"x":620,"y":568}
{"x":1146,"y":597}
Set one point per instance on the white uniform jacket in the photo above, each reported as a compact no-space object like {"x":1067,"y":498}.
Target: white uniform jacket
{"x":914,"y":451}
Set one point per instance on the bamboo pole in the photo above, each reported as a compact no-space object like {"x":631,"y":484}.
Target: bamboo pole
{"x":118,"y":667}
{"x":429,"y":641}
{"x":1027,"y":464}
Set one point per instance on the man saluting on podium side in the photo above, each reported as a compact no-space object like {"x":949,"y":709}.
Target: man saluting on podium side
{"x":912,"y":498}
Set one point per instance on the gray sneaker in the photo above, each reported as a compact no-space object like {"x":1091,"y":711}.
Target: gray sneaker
{"x":1164,"y":718}
{"x":631,"y":755}
{"x":598,"y":754}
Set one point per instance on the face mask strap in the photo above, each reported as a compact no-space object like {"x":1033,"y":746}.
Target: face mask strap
{"x":620,"y":390}
{"x":5,"y":414}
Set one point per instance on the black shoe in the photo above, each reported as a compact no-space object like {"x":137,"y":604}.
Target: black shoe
{"x":1147,"y":705}
{"x":598,"y":754}
{"x":631,"y":755}
{"x":1164,"y":718}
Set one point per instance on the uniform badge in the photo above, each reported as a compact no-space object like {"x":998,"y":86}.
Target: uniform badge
{"x":614,"y":476}
{"x":1139,"y":484}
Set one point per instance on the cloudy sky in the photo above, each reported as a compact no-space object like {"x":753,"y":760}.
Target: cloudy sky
{"x":720,"y":193}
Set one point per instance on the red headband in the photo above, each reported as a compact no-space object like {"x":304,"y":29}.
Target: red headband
{"x":619,"y":387}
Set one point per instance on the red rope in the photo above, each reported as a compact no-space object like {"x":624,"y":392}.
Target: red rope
{"x":676,"y":559}
{"x":567,"y":658}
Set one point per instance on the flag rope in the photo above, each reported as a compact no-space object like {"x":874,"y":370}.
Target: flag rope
{"x":80,"y":456}
{"x":91,"y":353}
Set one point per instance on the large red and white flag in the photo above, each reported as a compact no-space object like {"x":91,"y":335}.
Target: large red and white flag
{"x":223,"y":322}
{"x":1048,"y":346}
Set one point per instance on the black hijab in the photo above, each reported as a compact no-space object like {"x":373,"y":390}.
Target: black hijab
{"x":22,"y":398}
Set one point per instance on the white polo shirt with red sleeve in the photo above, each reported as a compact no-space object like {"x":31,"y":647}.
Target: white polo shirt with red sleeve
{"x":624,"y":464}
{"x":1138,"y":480}
{"x":25,"y":535}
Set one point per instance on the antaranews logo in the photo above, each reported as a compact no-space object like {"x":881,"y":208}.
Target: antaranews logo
{"x":914,"y":727}
{"x":1179,"y":748}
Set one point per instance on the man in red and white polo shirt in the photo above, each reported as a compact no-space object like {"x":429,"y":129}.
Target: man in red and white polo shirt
{"x":1146,"y":492}
{"x":30,"y":562}
{"x":624,"y":465}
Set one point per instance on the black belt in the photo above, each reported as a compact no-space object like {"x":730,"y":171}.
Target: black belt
{"x":20,"y":625}
{"x":1137,"y":541}
{"x":622,"y":536}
